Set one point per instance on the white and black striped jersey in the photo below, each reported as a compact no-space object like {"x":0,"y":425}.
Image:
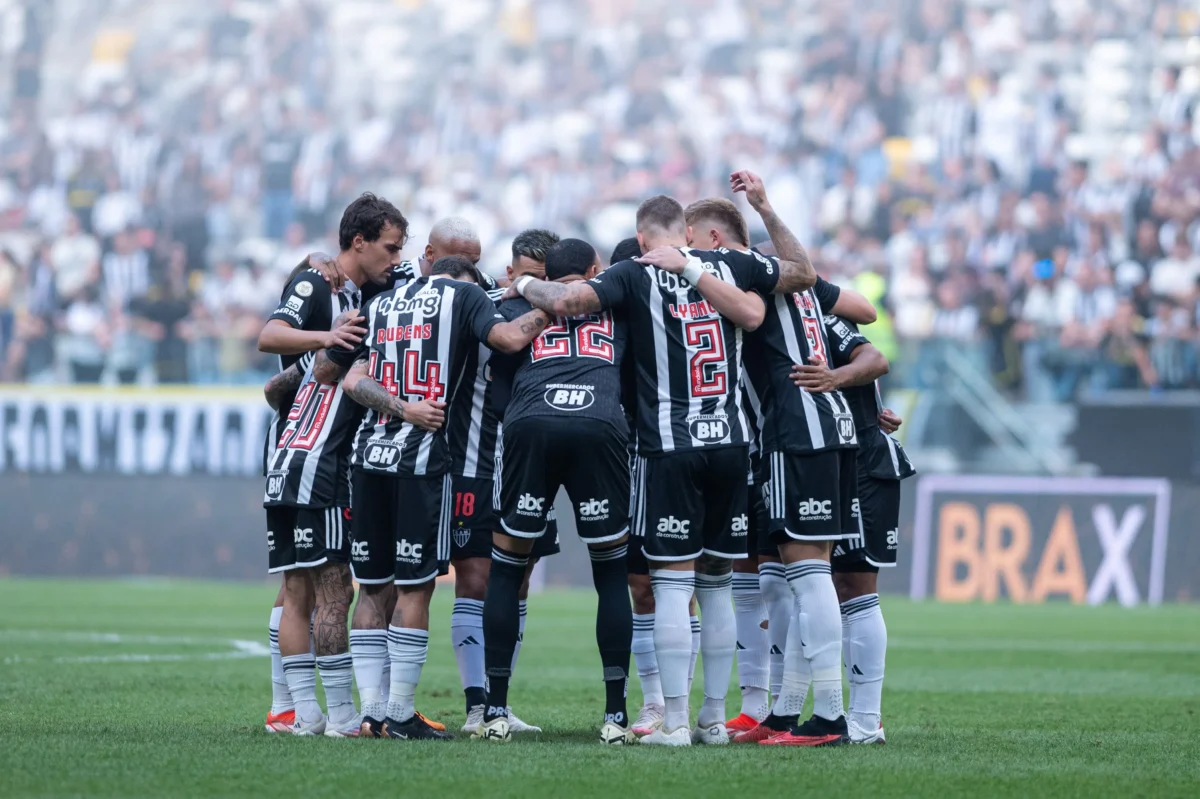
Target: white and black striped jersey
{"x":307,"y":303}
{"x":752,"y":405}
{"x":472,"y":422}
{"x":795,"y":420}
{"x":879,"y":455}
{"x":687,"y":358}
{"x":418,"y":340}
{"x":572,"y":369}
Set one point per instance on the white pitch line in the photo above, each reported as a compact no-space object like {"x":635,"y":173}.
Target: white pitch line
{"x":105,"y":638}
{"x":241,"y":648}
{"x":1035,"y":645}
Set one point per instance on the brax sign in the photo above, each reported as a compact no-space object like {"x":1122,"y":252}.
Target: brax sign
{"x":1031,"y":539}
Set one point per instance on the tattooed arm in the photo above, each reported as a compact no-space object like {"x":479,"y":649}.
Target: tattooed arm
{"x":281,"y":389}
{"x":360,"y":387}
{"x":512,"y":337}
{"x":561,"y":299}
{"x":796,"y":272}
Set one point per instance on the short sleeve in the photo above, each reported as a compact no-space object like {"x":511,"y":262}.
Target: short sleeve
{"x":478,"y":310}
{"x":827,"y":294}
{"x":844,"y":338}
{"x":753,"y":271}
{"x":615,"y":285}
{"x":306,"y":293}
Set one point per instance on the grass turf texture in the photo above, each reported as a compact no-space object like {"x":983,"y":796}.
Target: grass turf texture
{"x":979,"y":700}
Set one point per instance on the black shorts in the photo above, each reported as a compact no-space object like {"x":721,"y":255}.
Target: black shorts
{"x":471,"y":506}
{"x":758,"y":500}
{"x":587,"y":457}
{"x":401,"y":530}
{"x":477,"y":543}
{"x":693,"y":502}
{"x":878,"y":506}
{"x":812,"y":496}
{"x":301,"y":538}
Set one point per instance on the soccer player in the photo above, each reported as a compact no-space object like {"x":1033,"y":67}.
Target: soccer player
{"x":692,"y":438}
{"x":882,"y":464}
{"x":564,"y":400}
{"x":307,"y":495}
{"x":760,"y":588}
{"x":810,"y":443}
{"x":410,"y":364}
{"x":473,"y":431}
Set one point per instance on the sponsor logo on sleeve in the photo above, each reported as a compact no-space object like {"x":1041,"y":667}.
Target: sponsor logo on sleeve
{"x":304,"y":288}
{"x":295,"y":303}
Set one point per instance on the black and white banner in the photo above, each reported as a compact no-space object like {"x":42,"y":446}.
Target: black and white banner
{"x":68,"y":429}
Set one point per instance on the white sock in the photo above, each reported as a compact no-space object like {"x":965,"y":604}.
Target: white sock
{"x":672,"y":593}
{"x":718,"y":642}
{"x":466,"y":633}
{"x":696,"y":632}
{"x":281,"y":697}
{"x":781,"y":609}
{"x":750,"y":610}
{"x":524,"y":606}
{"x":337,"y":677}
{"x":864,"y":647}
{"x":821,"y":632}
{"x":301,"y":673}
{"x":645,"y":659}
{"x":369,"y":651}
{"x":385,"y":679}
{"x":797,"y":676}
{"x":407,"y":649}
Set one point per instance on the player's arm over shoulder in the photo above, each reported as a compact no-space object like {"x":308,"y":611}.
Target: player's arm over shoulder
{"x":578,"y":297}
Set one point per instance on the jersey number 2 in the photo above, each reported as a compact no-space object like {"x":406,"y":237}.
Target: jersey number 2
{"x":709,"y":365}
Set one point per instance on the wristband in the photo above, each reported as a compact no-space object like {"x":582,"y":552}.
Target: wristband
{"x":693,"y":272}
{"x":522,"y":282}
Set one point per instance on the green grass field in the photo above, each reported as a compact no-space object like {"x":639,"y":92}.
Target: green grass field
{"x":979,"y":700}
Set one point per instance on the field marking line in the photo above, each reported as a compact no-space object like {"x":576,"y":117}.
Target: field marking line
{"x":240,"y":648}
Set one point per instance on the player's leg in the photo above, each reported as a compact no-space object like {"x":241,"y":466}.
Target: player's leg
{"x":671,"y":514}
{"x":373,"y":565}
{"x":650,"y":717}
{"x":295,"y":649}
{"x":810,"y":512}
{"x":753,"y":644}
{"x":472,"y":521}
{"x":333,"y":595}
{"x":282,"y":714}
{"x":422,"y":545}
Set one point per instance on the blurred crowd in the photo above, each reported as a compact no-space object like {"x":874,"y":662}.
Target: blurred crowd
{"x":1016,"y":183}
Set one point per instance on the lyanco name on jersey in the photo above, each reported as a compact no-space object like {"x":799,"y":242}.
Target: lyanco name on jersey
{"x":403,"y":332}
{"x":693,"y":310}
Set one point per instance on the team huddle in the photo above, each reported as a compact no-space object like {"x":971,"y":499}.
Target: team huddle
{"x":710,"y":410}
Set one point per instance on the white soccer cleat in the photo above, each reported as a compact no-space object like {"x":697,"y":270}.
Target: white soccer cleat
{"x":614,"y":734}
{"x":716,"y":735}
{"x":516,"y":725}
{"x":861,"y":735}
{"x":496,"y":730}
{"x":302,"y":727}
{"x":649,"y":720}
{"x":660,"y":737}
{"x":351,"y":728}
{"x":474,"y":719}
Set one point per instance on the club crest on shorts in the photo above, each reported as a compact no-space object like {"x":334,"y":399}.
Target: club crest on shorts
{"x":461,"y":538}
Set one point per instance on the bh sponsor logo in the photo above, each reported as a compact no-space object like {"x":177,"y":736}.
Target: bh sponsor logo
{"x":382,"y":455}
{"x":275,"y":484}
{"x":709,"y":428}
{"x":569,"y":398}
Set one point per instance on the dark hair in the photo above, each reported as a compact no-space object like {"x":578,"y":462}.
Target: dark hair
{"x":627,"y":250}
{"x":369,"y":215}
{"x":569,"y":257}
{"x":661,"y":212}
{"x":724,"y":213}
{"x":534,"y":244}
{"x":455,"y":266}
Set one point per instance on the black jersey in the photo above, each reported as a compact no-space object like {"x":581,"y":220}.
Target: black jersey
{"x":795,"y":420}
{"x":687,"y":357}
{"x":417,"y":344}
{"x":879,"y":455}
{"x":573,"y":368}
{"x":472,"y":422}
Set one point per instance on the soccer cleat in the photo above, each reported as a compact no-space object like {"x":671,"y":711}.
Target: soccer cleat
{"x":437,"y":725}
{"x":416,"y":728}
{"x":351,"y":728}
{"x":302,"y":727}
{"x":614,"y":734}
{"x":817,"y":731}
{"x":371,"y":728}
{"x":716,"y":735}
{"x":649,"y":720}
{"x":495,"y":730}
{"x":771,"y":726}
{"x":474,"y":719}
{"x":743,"y":723}
{"x":660,"y":737}
{"x":280,"y":722}
{"x":861,"y":735}
{"x":516,"y":725}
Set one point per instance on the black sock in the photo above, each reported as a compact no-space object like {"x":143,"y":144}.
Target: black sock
{"x":614,"y":627}
{"x":501,"y":625}
{"x":475,"y":697}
